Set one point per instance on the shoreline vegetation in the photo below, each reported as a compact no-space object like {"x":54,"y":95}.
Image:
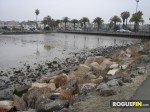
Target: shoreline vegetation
{"x":101,"y":71}
{"x":118,"y":34}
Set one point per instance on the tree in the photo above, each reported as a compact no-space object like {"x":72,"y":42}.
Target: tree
{"x":84,"y":20}
{"x":125,"y":15}
{"x":115,"y":19}
{"x":57,"y":22}
{"x":98,"y":21}
{"x":74,"y":21}
{"x":47,"y":21}
{"x":65,"y":20}
{"x":136,"y":18}
{"x":37,"y":13}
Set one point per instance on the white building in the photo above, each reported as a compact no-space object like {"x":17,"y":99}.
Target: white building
{"x":10,"y":24}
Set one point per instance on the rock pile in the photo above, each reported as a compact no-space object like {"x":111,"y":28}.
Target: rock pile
{"x":99,"y":74}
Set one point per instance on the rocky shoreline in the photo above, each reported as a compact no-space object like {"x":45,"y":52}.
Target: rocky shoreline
{"x":61,"y":85}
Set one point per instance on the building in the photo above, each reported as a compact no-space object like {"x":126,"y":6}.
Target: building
{"x":10,"y":24}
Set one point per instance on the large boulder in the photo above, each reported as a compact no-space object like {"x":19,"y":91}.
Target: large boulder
{"x":20,"y":90}
{"x":141,"y":70}
{"x":89,"y":60}
{"x":33,"y":94}
{"x":83,"y":68}
{"x":104,"y":90}
{"x":87,"y":87}
{"x":6,"y":106}
{"x":145,"y":58}
{"x":91,"y":75}
{"x":51,"y":86}
{"x":114,"y":66}
{"x":72,"y":86}
{"x":113,"y":82}
{"x":47,"y":105}
{"x":61,"y":80}
{"x":126,"y":79}
{"x":108,"y":62}
{"x":97,"y":80}
{"x":96,"y":68}
{"x":98,"y":59}
{"x":113,"y":71}
{"x":19,"y":103}
{"x":99,"y":69}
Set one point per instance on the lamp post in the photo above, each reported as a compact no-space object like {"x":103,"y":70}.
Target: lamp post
{"x":137,"y":5}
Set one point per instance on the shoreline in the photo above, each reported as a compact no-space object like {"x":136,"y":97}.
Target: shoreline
{"x":23,"y":32}
{"x":87,"y":90}
{"x":28,"y":74}
{"x":116,"y":34}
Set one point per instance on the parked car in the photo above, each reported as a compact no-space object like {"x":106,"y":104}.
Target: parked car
{"x":78,"y":29}
{"x":123,"y":30}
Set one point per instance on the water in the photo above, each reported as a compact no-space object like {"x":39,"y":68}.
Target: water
{"x":15,"y":50}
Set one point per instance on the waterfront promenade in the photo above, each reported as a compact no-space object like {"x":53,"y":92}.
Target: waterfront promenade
{"x":118,"y":34}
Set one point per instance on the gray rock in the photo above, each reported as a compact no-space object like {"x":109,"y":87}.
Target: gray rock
{"x":126,"y":79}
{"x":113,"y":82}
{"x":105,"y":90}
{"x":47,"y":105}
{"x":133,"y":74}
{"x":145,"y":58}
{"x":141,"y":70}
{"x":102,"y":86}
{"x":32,"y":95}
{"x":108,"y":78}
{"x":85,"y":88}
{"x":72,"y":85}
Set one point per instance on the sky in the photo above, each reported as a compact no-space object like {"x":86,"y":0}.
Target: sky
{"x":23,"y":10}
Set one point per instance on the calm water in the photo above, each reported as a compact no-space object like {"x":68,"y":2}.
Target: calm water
{"x":15,"y":50}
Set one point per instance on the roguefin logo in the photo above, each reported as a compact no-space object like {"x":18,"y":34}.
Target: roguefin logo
{"x":130,"y":104}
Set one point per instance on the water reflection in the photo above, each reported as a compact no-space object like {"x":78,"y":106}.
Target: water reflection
{"x":16,"y":48}
{"x":37,"y":50}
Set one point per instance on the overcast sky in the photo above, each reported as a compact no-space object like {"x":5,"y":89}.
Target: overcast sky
{"x":21,"y":10}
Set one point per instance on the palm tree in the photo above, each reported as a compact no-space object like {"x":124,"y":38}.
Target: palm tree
{"x":48,"y":21}
{"x":37,"y":13}
{"x":123,"y":19}
{"x":57,"y":22}
{"x":98,"y":21}
{"x":84,"y":20}
{"x":115,"y":19}
{"x":65,"y":20}
{"x":136,"y":18}
{"x":125,"y":15}
{"x":74,"y":21}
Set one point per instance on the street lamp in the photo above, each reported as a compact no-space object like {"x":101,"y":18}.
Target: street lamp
{"x":137,"y":5}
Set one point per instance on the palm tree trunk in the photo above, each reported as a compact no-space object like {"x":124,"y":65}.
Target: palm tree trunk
{"x":36,"y":21}
{"x":115,"y":26}
{"x":65,"y":26}
{"x":126,"y":24}
{"x":123,"y":24}
{"x":98,"y":27}
{"x":74,"y":26}
{"x":84,"y":26}
{"x":135,"y":26}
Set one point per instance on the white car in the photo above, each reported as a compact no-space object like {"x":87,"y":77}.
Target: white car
{"x":122,"y":30}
